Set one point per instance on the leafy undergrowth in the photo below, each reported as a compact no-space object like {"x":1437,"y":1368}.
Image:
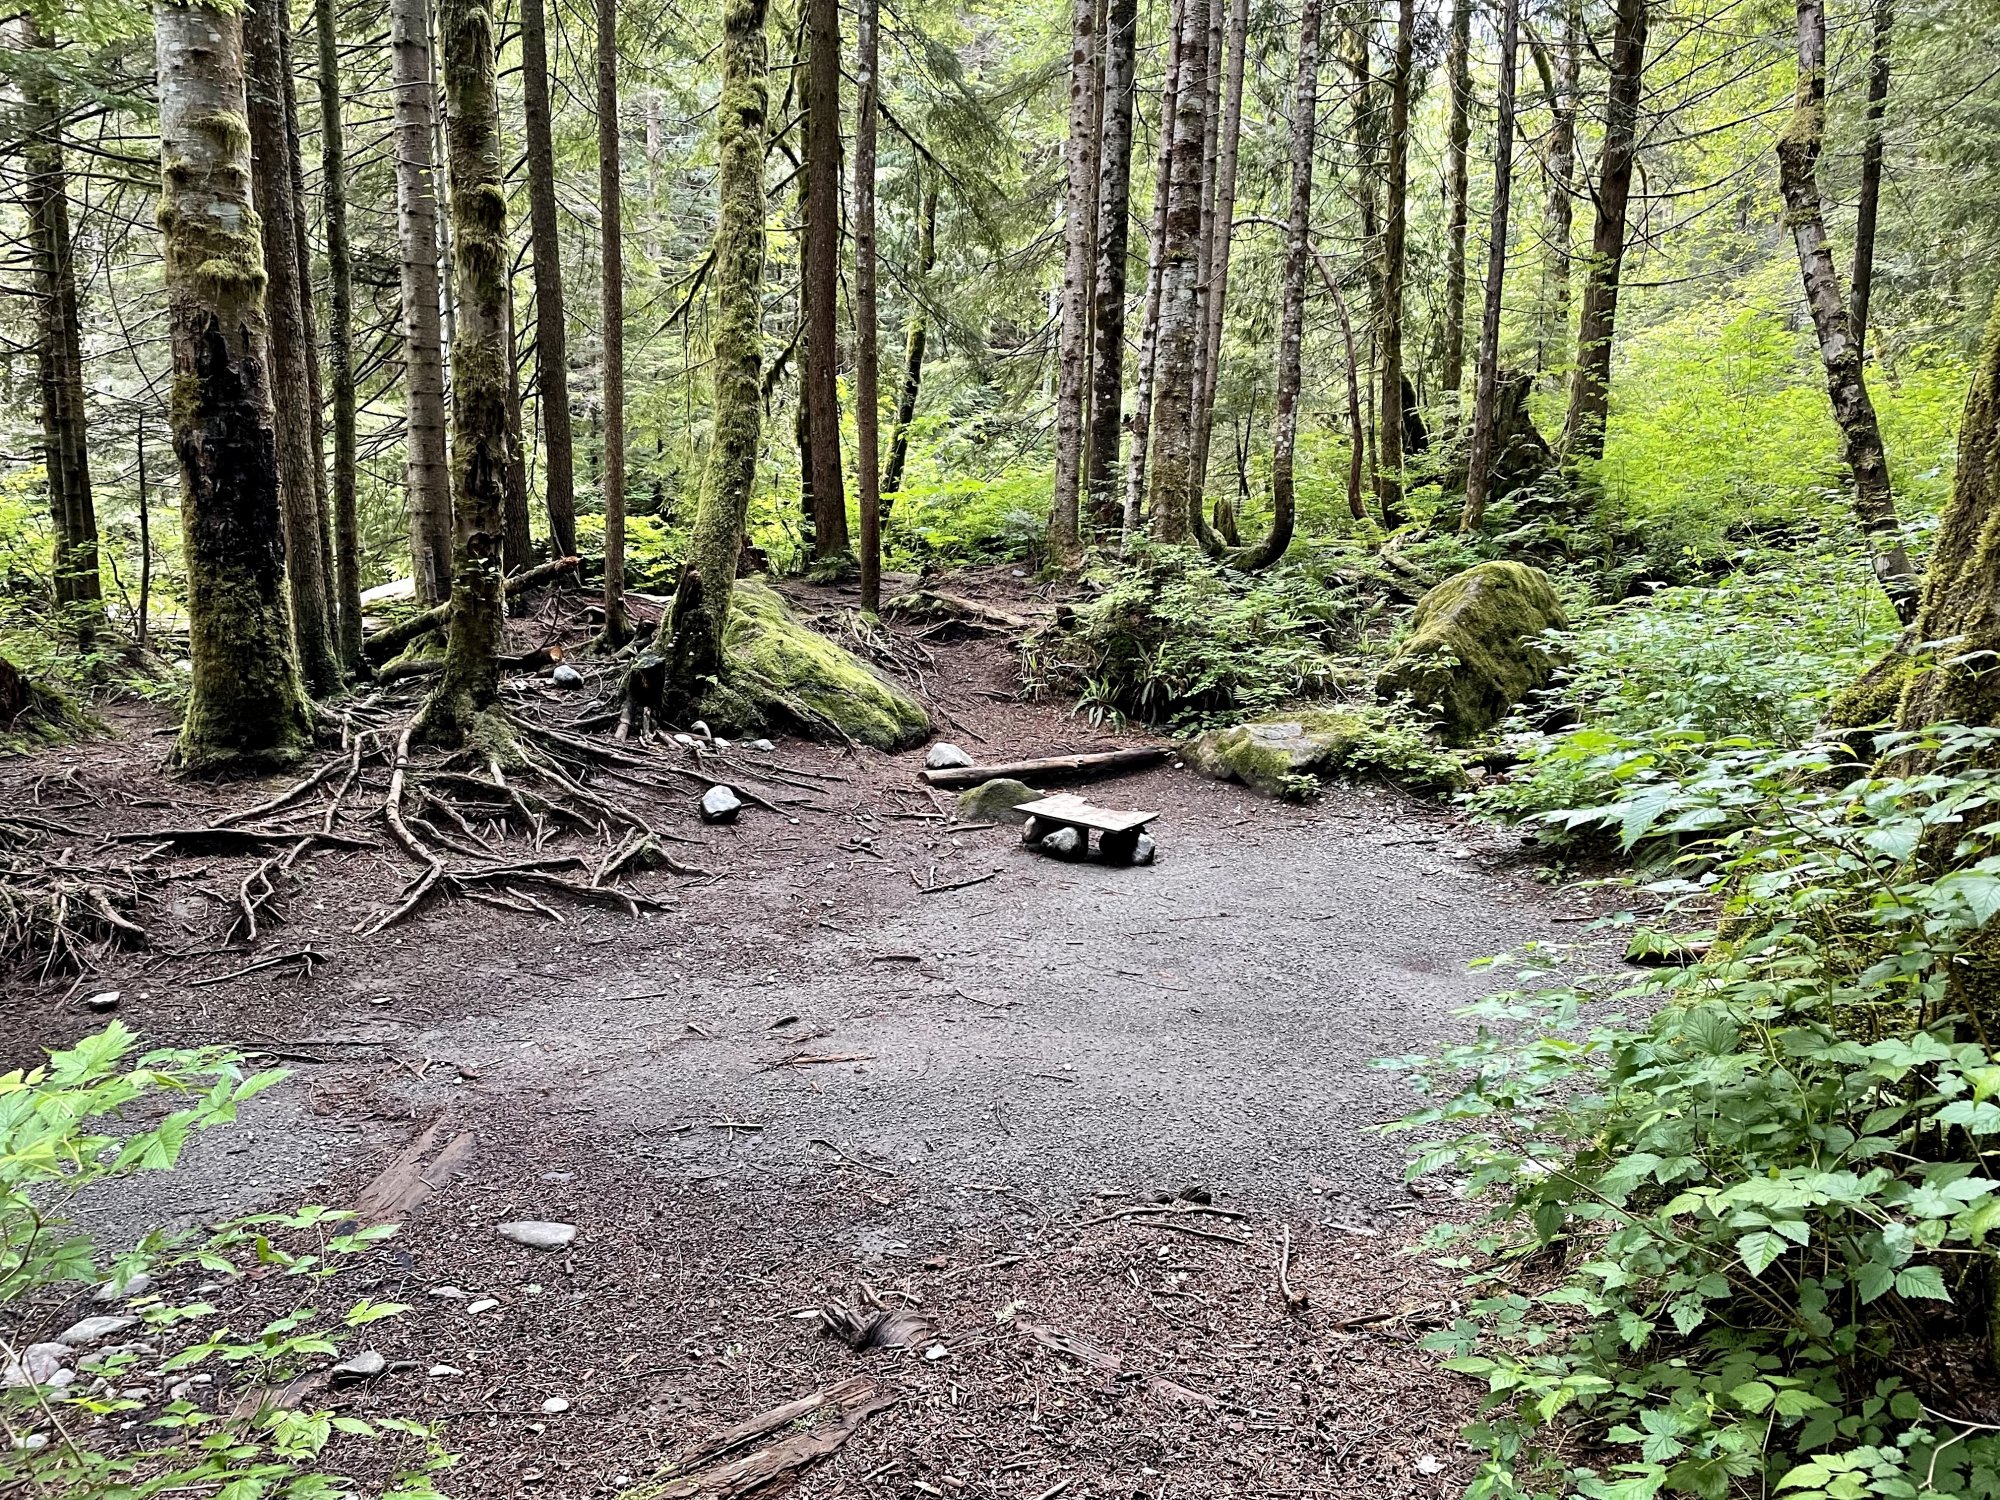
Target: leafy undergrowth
{"x":1736,"y":1216}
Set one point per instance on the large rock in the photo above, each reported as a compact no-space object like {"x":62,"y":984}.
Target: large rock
{"x":1275,"y":756}
{"x":786,"y":675}
{"x":1475,"y":647}
{"x":996,"y":800}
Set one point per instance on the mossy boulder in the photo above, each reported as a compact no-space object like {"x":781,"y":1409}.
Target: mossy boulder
{"x":996,"y":799}
{"x":1285,"y":756}
{"x":1475,"y":647}
{"x":777,"y":672}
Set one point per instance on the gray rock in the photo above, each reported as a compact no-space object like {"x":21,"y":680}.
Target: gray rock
{"x":945,"y":756}
{"x":38,"y":1364}
{"x":554,"y":1405}
{"x":359,"y":1367}
{"x":764,"y":747}
{"x":1064,"y":843}
{"x":1144,"y":850}
{"x":103,"y":1000}
{"x":136,"y":1286}
{"x":538,"y":1234}
{"x":81,"y":1335}
{"x":686,"y":741}
{"x":567,"y":677}
{"x":995,"y":801}
{"x":484,"y":1304}
{"x":720,"y":804}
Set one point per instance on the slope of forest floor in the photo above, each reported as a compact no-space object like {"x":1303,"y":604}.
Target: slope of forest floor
{"x":808,"y":1075}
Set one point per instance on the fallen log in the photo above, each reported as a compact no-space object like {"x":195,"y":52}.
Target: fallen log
{"x":935,"y":604}
{"x":386,"y":642}
{"x":1098,"y":763}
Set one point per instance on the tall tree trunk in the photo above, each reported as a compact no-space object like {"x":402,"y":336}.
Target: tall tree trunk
{"x":339,"y":336}
{"x":1149,"y":327}
{"x":1228,"y":141}
{"x":551,"y":323}
{"x":518,"y":546}
{"x":291,"y":391}
{"x":423,"y":347}
{"x":701,"y":603}
{"x":1395,"y":239}
{"x":1590,"y":388}
{"x":463,"y":705}
{"x":1114,"y":205}
{"x":1870,"y":202}
{"x":611,"y":236}
{"x":1292,"y":298}
{"x":246,"y":709}
{"x":1840,"y":350}
{"x":59,"y":348}
{"x":1365,"y":110}
{"x":867,"y":389}
{"x":1211,"y":87}
{"x":1552,"y":345}
{"x":821,"y":363}
{"x":1175,"y":487}
{"x":1458,"y":141}
{"x":1073,"y":335}
{"x":914,"y":340}
{"x":1480,"y":453}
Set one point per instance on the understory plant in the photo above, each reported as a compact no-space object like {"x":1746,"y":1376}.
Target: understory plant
{"x":216,"y":1419}
{"x":1735,"y":1217}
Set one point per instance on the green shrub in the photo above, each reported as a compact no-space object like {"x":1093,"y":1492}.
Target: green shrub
{"x":96,"y":1115}
{"x":1732,"y":1246}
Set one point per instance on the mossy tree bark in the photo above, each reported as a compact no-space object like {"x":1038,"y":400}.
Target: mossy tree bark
{"x":821,"y":288}
{"x":1485,"y":399}
{"x":1174,"y":486}
{"x":58,"y":341}
{"x":1862,"y":447}
{"x":1114,"y":201}
{"x":1395,"y":242}
{"x":1868,"y":203}
{"x":1222,"y":222}
{"x":430,"y":504}
{"x":277,"y":210}
{"x":1065,"y":537}
{"x":1292,"y":298}
{"x":1597,"y":324}
{"x":867,"y":347}
{"x":611,"y":286}
{"x":701,"y":604}
{"x":246,"y":708}
{"x":339,"y":335}
{"x":463,"y":705}
{"x":1457,"y":180}
{"x":1560,"y":88}
{"x":551,"y":325}
{"x":915,"y":336}
{"x":1156,"y":244}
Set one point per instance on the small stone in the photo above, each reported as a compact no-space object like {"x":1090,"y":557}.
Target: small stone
{"x":555,"y":1404}
{"x":442,"y":1372}
{"x":81,"y":1335}
{"x":38,"y":1364}
{"x":60,"y":1379}
{"x":945,"y":756}
{"x":762,"y":747}
{"x":1144,"y":849}
{"x":538,"y":1234}
{"x":566,"y":677}
{"x":720,"y":804}
{"x":359,"y":1367}
{"x":102,"y":1000}
{"x":558,"y":1176}
{"x":722,"y":744}
{"x":136,"y":1393}
{"x":484,"y":1304}
{"x":686,"y":741}
{"x":136,"y":1286}
{"x":33,"y":1442}
{"x":937,"y":1352}
{"x":1064,"y":843}
{"x":455,"y":1294}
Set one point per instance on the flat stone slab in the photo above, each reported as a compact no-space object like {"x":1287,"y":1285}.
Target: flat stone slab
{"x":538,"y":1234}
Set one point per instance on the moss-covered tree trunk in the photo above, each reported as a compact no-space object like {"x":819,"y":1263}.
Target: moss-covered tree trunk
{"x":1065,"y":536}
{"x":1486,"y":390}
{"x":611,"y":308}
{"x":462,"y":704}
{"x":819,"y":367}
{"x":1292,"y":298}
{"x":867,"y":334}
{"x":551,"y":326}
{"x":1222,"y":223}
{"x":1148,"y":359}
{"x":1457,"y":182}
{"x":1862,"y":447}
{"x":246,"y":708}
{"x":701,"y":605}
{"x":423,"y":340}
{"x":1174,"y":487}
{"x":914,"y":339}
{"x":1395,"y":246}
{"x":339,"y":336}
{"x":1559,"y":163}
{"x":1114,"y":198}
{"x":290,"y":350}
{"x":58,"y":342}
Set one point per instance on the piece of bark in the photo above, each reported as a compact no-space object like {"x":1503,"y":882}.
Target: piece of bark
{"x":1110,"y":1365}
{"x":708,"y":1473}
{"x":414,"y":1174}
{"x":1098,"y":763}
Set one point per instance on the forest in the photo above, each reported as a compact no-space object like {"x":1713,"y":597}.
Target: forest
{"x":577,"y":579}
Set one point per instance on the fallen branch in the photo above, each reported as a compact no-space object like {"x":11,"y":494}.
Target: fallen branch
{"x":710,"y":1474}
{"x":386,"y":642}
{"x":1099,"y":763}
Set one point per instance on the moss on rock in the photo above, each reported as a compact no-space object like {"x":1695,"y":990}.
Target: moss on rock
{"x":1284,"y":756}
{"x":1474,"y":649}
{"x":996,"y":799}
{"x":778,"y":673}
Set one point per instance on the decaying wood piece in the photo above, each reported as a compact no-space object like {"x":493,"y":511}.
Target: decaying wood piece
{"x":1097,"y":763}
{"x":385,"y":643}
{"x":820,"y":1423}
{"x":1110,"y":1365}
{"x":415,"y":1173}
{"x":935,"y":604}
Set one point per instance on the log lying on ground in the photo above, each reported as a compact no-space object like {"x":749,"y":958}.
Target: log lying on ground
{"x":720,"y":1469}
{"x":1052,"y":767}
{"x":384,"y":644}
{"x":935,"y":604}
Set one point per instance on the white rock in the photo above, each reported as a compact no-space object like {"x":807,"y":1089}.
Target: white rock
{"x":33,"y":1442}
{"x":945,"y":756}
{"x":451,"y":1292}
{"x":440,"y":1372}
{"x":720,"y":804}
{"x":484,"y":1304}
{"x":555,"y":1404}
{"x":35,"y":1365}
{"x":936,"y":1352}
{"x":111,"y":1291}
{"x":60,"y":1379}
{"x":538,"y":1234}
{"x":102,"y":1000}
{"x":762,"y":746}
{"x":686,"y":741}
{"x":81,"y":1335}
{"x":566,"y":676}
{"x":359,"y":1367}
